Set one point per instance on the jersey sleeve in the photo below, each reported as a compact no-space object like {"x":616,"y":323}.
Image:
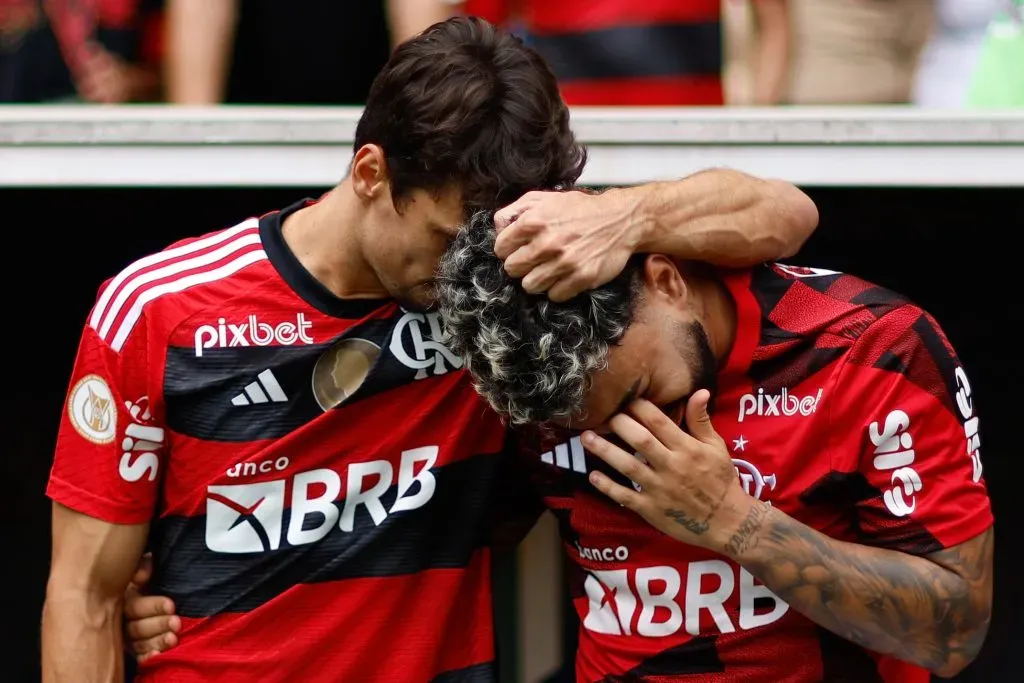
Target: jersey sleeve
{"x":109,"y":445}
{"x":903,"y":422}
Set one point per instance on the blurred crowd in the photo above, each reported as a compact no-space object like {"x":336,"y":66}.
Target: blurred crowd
{"x":604,"y":52}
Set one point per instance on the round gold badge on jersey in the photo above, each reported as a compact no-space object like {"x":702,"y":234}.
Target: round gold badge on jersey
{"x":341,"y":370}
{"x":92,"y":411}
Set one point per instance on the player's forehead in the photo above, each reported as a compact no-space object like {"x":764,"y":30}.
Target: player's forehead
{"x":440,"y":208}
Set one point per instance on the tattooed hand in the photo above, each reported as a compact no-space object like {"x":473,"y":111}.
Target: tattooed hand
{"x":688,"y":485}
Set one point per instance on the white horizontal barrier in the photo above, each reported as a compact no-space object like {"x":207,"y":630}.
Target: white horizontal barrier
{"x":140,"y":146}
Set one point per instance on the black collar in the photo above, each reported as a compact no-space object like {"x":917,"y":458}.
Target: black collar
{"x":300,"y":279}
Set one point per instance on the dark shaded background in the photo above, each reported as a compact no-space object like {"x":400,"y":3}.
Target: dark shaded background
{"x":951,"y":250}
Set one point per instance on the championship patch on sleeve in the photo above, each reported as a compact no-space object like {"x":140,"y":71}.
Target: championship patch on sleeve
{"x":92,"y":411}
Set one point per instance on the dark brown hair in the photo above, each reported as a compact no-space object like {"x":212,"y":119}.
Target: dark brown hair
{"x":468,"y":105}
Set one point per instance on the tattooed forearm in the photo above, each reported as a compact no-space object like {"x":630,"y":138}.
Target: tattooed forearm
{"x":745,"y":538}
{"x":931,"y":611}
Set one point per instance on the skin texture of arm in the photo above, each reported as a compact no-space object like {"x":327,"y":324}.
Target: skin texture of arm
{"x":724,"y":217}
{"x":92,"y":563}
{"x":933,"y":610}
{"x":563,"y":243}
{"x":200,"y":38}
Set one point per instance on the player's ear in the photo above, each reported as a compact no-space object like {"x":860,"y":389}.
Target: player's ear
{"x":662,"y":279}
{"x":369,"y":172}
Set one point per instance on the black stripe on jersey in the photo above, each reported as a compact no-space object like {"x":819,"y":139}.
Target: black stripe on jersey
{"x":696,"y":656}
{"x":844,"y":662}
{"x":643,"y":51}
{"x":791,"y":368}
{"x":198,"y":391}
{"x":851,"y":493}
{"x":945,"y":362}
{"x":478,"y":673}
{"x":444,"y":533}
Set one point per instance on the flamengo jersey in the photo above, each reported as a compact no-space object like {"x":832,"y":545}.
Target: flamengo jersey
{"x":844,"y":406}
{"x":299,"y":539}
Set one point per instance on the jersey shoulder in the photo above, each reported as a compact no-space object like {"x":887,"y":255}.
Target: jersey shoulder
{"x":171,"y":285}
{"x":813,"y":317}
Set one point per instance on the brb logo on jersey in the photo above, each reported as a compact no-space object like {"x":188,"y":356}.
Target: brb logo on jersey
{"x":421,"y":352}
{"x":894,"y":452}
{"x":252,"y":333}
{"x":775,"y":405}
{"x":654,"y":602}
{"x":250,"y":518}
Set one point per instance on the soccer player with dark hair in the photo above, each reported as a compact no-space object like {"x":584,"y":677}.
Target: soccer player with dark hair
{"x":271,"y":410}
{"x":829,"y":522}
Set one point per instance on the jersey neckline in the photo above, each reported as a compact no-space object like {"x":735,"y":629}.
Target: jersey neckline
{"x":748,"y":323}
{"x":301,"y":280}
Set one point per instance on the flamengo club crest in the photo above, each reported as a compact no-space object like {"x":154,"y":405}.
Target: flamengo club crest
{"x":418,"y":348}
{"x":751,"y":479}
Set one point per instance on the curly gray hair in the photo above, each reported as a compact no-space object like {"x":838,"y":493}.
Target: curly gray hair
{"x":531,"y":358}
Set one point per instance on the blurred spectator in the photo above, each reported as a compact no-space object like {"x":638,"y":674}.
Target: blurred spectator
{"x":951,"y":55}
{"x":104,"y":51}
{"x":644,"y":52}
{"x":856,"y":51}
{"x":286,"y":51}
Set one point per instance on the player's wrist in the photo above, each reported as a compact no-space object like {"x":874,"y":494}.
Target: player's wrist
{"x":739,"y":537}
{"x":640,"y":226}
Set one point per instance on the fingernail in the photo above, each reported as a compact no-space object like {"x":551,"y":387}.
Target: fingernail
{"x":587,"y":437}
{"x":174,"y":623}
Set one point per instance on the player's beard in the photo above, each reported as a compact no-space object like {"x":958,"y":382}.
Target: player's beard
{"x":694,"y":347}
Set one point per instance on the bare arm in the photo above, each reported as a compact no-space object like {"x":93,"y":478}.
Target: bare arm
{"x":932,"y":611}
{"x":723,"y":217}
{"x":771,"y":57}
{"x":92,"y":564}
{"x":200,"y":38}
{"x":406,"y":18}
{"x":565,"y":242}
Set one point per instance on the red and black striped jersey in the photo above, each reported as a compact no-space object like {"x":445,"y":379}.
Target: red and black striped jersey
{"x":317,"y":471}
{"x":624,"y":52}
{"x":843,"y":405}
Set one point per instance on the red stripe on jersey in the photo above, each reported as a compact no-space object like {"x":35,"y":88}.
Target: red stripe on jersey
{"x":197,"y":262}
{"x":649,"y":91}
{"x":323,"y":633}
{"x":586,"y":15}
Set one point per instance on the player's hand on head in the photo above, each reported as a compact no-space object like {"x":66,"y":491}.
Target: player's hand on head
{"x":564,"y":243}
{"x":685,"y":485}
{"x":151,"y":626}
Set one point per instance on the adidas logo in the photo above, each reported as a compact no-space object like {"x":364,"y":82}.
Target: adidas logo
{"x":264,"y":390}
{"x":568,"y":456}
